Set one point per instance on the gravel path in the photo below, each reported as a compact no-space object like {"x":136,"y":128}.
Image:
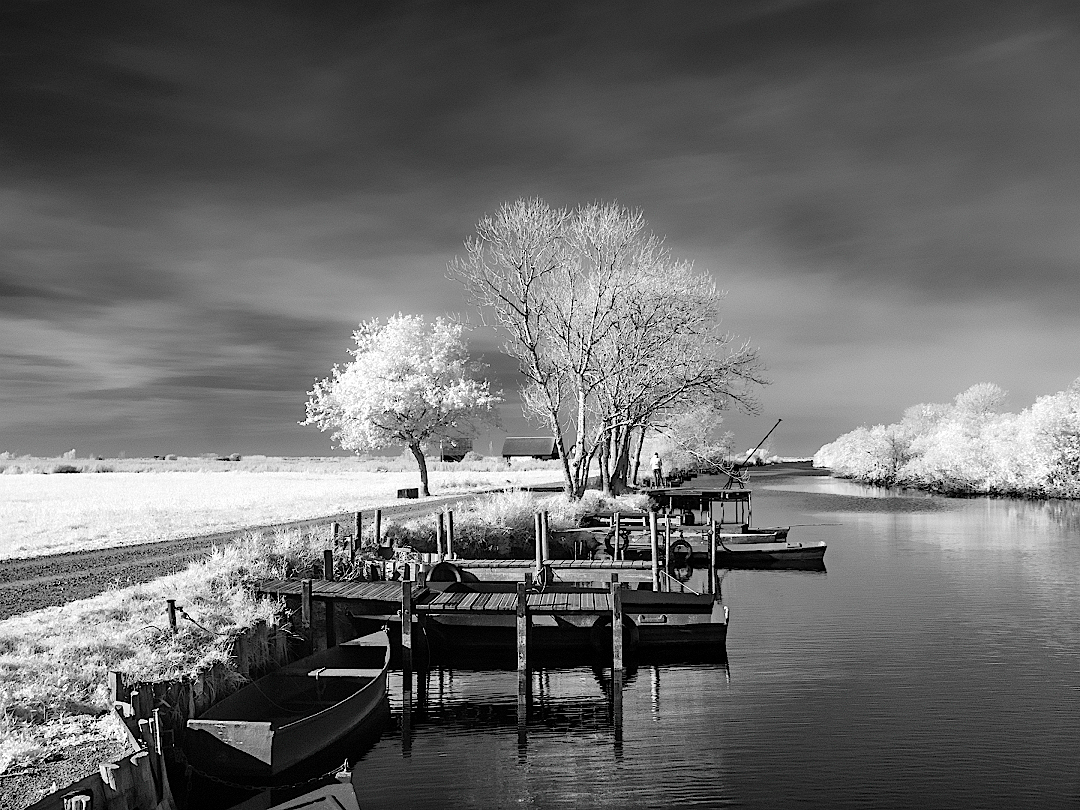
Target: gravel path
{"x":28,"y":584}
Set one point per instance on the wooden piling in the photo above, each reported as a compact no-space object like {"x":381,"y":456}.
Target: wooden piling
{"x":616,"y":649}
{"x":522,"y":652}
{"x":667,"y":548}
{"x":357,"y":533}
{"x":335,"y":532}
{"x":328,"y":564}
{"x":712,"y":557}
{"x":450,"y":534}
{"x":538,"y":541}
{"x":330,"y":614}
{"x":616,"y":522}
{"x":545,"y":550}
{"x":378,"y":527}
{"x":171,"y":610}
{"x":440,"y":531}
{"x":406,"y":628}
{"x":305,"y":602}
{"x":654,"y":551}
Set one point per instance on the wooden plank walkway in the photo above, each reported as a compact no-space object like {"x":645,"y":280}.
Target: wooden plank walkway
{"x":326,"y":589}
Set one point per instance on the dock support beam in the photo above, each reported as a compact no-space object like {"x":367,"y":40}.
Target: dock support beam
{"x":440,"y":533}
{"x":406,"y":630}
{"x":712,"y":558}
{"x":522,"y":657}
{"x":654,"y":551}
{"x":616,"y":648}
{"x":305,"y":602}
{"x":328,"y":564}
{"x":357,"y":531}
{"x":667,"y":548}
{"x":450,"y":534}
{"x":378,"y":527}
{"x":616,"y":522}
{"x":537,"y":532}
{"x":545,"y":551}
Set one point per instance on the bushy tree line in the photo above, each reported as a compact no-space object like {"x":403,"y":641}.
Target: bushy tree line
{"x":969,"y":446}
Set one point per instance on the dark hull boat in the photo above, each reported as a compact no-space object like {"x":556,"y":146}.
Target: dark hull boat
{"x":290,"y":715}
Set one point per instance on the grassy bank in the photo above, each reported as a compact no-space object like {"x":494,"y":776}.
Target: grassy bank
{"x":54,"y":662}
{"x":50,"y":513}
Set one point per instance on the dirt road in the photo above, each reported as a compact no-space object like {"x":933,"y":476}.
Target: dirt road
{"x":36,"y":582}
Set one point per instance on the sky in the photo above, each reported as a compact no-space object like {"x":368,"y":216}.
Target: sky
{"x":200,"y":200}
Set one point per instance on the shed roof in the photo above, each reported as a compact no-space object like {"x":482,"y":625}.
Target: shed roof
{"x":529,"y":446}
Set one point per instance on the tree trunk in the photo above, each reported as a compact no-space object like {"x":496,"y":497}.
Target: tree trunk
{"x":421,"y":462}
{"x":621,"y":469}
{"x":637,"y":454}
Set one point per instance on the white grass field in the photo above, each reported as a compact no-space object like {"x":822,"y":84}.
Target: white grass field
{"x":46,"y":514}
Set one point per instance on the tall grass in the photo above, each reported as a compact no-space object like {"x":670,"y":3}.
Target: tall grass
{"x":54,"y":662}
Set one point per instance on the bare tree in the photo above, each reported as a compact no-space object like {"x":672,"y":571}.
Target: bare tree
{"x":608,"y":329}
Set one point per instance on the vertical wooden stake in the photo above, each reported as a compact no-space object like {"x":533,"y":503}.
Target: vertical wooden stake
{"x":712,"y":557}
{"x":616,"y":651}
{"x":357,"y":532}
{"x":616,"y":521}
{"x":440,"y":528}
{"x":667,"y":548}
{"x":335,"y":531}
{"x":328,"y":564}
{"x":545,"y":550}
{"x":305,"y":602}
{"x":378,"y":527}
{"x":522,"y":652}
{"x":450,"y":533}
{"x":538,"y":540}
{"x":406,"y":629}
{"x":654,"y":551}
{"x":171,"y":609}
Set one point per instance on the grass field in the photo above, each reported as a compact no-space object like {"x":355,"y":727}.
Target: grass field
{"x":50,"y":513}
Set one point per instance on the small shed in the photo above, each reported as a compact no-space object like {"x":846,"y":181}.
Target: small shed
{"x":454,"y":448}
{"x":539,"y":447}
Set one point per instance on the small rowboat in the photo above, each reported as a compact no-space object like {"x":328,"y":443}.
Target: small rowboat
{"x":292,"y":714}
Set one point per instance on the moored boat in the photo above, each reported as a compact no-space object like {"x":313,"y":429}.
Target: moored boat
{"x":290,"y":715}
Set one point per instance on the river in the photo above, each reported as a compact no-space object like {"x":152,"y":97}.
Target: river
{"x":935,"y":664}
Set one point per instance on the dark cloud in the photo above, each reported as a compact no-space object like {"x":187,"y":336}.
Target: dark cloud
{"x":199,"y":200}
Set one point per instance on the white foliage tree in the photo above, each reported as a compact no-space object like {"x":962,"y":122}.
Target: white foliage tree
{"x":410,"y":383}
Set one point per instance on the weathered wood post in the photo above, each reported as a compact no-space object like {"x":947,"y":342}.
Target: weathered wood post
{"x":450,"y":533}
{"x":171,"y":610}
{"x":654,"y":551}
{"x":545,"y":547}
{"x":667,"y":549}
{"x":354,"y":545}
{"x":538,"y":541}
{"x":712,"y":557}
{"x":440,"y":531}
{"x":378,"y":527}
{"x":80,"y":801}
{"x":616,"y":646}
{"x":616,"y":522}
{"x":406,"y":629}
{"x":328,"y":564}
{"x":305,"y":602}
{"x":335,"y":532}
{"x":330,"y":613}
{"x":522,"y":652}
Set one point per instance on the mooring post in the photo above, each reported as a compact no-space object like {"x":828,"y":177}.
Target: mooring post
{"x":357,"y":531}
{"x":330,"y":612}
{"x":406,"y":628}
{"x":440,"y":529}
{"x":378,"y":527}
{"x":545,"y":548}
{"x":171,"y":610}
{"x":450,"y":534}
{"x":654,"y":551}
{"x":335,"y":532}
{"x":538,"y":540}
{"x":712,"y":557}
{"x":328,"y":564}
{"x":305,"y":602}
{"x":667,"y":548}
{"x":522,"y":653}
{"x":616,"y":521}
{"x":616,"y":647}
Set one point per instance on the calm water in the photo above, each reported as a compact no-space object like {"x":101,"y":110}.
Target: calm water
{"x":936,"y":664}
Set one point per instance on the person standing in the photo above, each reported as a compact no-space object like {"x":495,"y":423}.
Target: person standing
{"x":657,"y":470}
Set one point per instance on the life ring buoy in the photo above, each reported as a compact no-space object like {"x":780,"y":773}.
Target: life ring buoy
{"x":679,"y":551}
{"x":609,"y":538}
{"x":600,"y":634}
